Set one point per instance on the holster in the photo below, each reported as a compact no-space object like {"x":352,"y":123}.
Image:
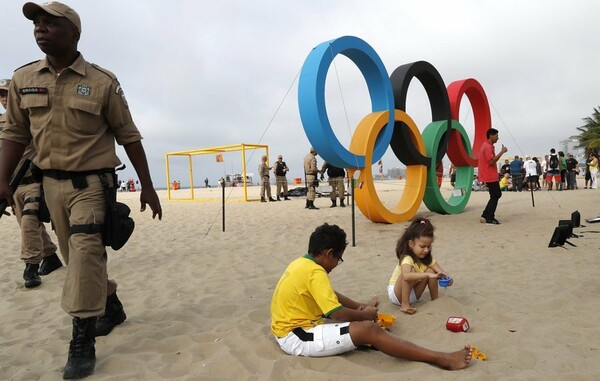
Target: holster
{"x":43,"y":213}
{"x":118,"y":226}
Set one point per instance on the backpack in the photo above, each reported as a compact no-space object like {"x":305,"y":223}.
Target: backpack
{"x":553,"y":161}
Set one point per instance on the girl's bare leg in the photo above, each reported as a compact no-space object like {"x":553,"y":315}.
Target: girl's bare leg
{"x":403,"y":289}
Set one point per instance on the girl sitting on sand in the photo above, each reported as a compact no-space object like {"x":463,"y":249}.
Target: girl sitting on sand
{"x":416,"y":268}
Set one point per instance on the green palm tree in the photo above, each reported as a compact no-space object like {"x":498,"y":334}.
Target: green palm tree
{"x":589,"y":138}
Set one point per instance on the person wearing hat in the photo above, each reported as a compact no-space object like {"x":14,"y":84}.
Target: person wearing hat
{"x":73,"y":111}
{"x":310,"y":174}
{"x":3,"y":100}
{"x":38,"y":252}
{"x":265,"y":182}
{"x":280,"y":169}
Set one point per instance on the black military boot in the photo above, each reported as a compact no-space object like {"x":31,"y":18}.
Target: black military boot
{"x":114,"y":314}
{"x":333,"y":204}
{"x":307,"y":203}
{"x":311,"y":205}
{"x":49,"y":264}
{"x":342,"y":203}
{"x":262,"y":199}
{"x":82,"y":353}
{"x":272,"y":199}
{"x":286,"y":198}
{"x":278,"y":198}
{"x":30,"y":274}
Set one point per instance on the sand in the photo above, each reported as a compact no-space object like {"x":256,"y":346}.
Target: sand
{"x":197,"y":298}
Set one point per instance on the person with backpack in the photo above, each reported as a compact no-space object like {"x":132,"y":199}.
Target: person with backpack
{"x":553,"y":169}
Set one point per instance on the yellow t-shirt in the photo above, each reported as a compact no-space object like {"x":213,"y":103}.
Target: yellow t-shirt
{"x":302,"y":296}
{"x":407,"y":260}
{"x":503,"y":183}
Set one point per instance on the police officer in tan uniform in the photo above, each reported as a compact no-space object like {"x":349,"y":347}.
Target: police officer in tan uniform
{"x":310,"y":173}
{"x":265,"y":182}
{"x":36,"y":245}
{"x":335,"y":177}
{"x":280,"y":169}
{"x":3,"y":100}
{"x":73,"y":112}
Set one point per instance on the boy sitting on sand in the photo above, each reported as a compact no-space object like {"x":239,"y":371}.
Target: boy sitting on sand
{"x":304,"y":295}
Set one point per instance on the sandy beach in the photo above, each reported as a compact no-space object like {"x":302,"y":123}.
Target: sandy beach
{"x":197,"y":298}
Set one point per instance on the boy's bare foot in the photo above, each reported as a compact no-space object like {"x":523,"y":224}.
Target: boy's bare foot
{"x":409,"y":310}
{"x":457,"y":360}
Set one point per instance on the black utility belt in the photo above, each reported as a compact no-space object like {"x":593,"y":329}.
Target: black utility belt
{"x":58,"y":174}
{"x":77,"y":178}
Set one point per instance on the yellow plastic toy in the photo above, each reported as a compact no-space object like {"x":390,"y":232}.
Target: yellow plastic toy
{"x":385,"y":320}
{"x":477,"y":355}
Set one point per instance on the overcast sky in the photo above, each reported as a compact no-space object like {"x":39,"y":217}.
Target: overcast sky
{"x":200,"y":74}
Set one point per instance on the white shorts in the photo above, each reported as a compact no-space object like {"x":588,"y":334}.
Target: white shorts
{"x":322,"y":340}
{"x":412,"y":299}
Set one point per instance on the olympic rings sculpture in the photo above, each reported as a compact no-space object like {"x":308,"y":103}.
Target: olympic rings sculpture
{"x":390,"y":125}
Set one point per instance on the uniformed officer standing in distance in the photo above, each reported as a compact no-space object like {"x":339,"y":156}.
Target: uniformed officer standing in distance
{"x":310,"y":174}
{"x":73,"y":112}
{"x":335,"y":176}
{"x":280,"y":170}
{"x":36,"y":245}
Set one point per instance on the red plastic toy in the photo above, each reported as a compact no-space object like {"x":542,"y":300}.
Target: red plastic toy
{"x":457,"y":324}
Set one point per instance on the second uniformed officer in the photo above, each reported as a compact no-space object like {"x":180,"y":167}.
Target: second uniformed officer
{"x":73,"y":111}
{"x":36,"y":245}
{"x":310,"y":173}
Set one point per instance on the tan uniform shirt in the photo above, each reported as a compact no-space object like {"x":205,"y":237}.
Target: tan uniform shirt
{"x":2,"y":122}
{"x":72,"y":119}
{"x":310,"y":164}
{"x":263,"y":170}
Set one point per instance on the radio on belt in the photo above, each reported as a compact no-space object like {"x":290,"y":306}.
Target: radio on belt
{"x":457,"y":324}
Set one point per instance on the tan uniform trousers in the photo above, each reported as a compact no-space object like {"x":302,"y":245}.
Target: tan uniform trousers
{"x":311,"y":192}
{"x":281,"y":182}
{"x":35,"y":241}
{"x":337,"y":188}
{"x":265,"y":184}
{"x":87,"y":284}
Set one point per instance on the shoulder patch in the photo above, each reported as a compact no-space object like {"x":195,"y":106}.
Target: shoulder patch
{"x":27,"y":64}
{"x":107,"y":72}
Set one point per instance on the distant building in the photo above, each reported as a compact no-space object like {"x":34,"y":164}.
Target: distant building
{"x":394,"y":173}
{"x":570,"y":145}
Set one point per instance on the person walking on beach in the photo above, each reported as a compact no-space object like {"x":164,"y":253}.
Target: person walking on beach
{"x":38,"y":252}
{"x":489,"y":174}
{"x":73,"y":111}
{"x":280,"y":170}
{"x":265,"y":182}
{"x":335,"y":176}
{"x":310,"y":174}
{"x":304,"y":295}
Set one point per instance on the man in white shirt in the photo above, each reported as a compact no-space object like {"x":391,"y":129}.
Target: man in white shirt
{"x":531,"y":172}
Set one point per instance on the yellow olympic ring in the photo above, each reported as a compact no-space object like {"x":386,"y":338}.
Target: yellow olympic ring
{"x":365,"y":196}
